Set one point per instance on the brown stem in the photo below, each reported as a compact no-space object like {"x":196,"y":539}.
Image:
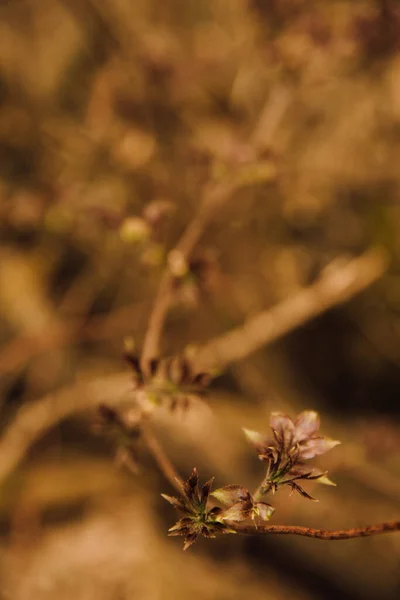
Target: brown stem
{"x":321,"y":534}
{"x":214,"y":196}
{"x":164,"y":464}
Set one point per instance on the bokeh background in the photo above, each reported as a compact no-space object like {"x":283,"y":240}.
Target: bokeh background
{"x":114,"y":117}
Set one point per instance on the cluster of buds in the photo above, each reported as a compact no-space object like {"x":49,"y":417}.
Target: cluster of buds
{"x":201,"y":520}
{"x":292,"y":443}
{"x":198,"y":519}
{"x":169,"y":381}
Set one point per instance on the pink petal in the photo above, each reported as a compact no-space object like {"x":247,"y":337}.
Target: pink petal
{"x":282,"y":424}
{"x":306,"y":425}
{"x":315,"y":447}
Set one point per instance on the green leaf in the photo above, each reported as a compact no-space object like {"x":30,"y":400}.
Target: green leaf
{"x":255,"y":438}
{"x":325,"y":480}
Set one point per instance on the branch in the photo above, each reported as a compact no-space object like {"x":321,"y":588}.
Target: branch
{"x":338,"y":284}
{"x":321,"y":534}
{"x":215,"y":194}
{"x":164,"y":464}
{"x":34,"y":419}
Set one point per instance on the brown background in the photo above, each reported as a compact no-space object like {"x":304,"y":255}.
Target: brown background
{"x":108,"y":108}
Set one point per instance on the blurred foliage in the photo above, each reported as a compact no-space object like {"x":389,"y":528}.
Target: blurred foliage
{"x":114,"y":117}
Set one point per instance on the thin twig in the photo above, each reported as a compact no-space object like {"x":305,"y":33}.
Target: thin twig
{"x":164,"y":464}
{"x":337,"y":285}
{"x":34,"y":419}
{"x":271,"y":116}
{"x":214,"y":196}
{"x":321,"y":534}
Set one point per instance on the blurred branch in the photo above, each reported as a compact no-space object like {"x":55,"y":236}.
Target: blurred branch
{"x":35,"y":419}
{"x":88,"y":11}
{"x":21,"y":350}
{"x":214,"y":196}
{"x":271,"y":115}
{"x":162,"y":460}
{"x":321,"y":534}
{"x":339,"y":283}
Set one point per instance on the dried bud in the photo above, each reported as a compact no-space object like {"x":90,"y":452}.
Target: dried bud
{"x":170,"y":379}
{"x":293,"y":442}
{"x":197,"y":519}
